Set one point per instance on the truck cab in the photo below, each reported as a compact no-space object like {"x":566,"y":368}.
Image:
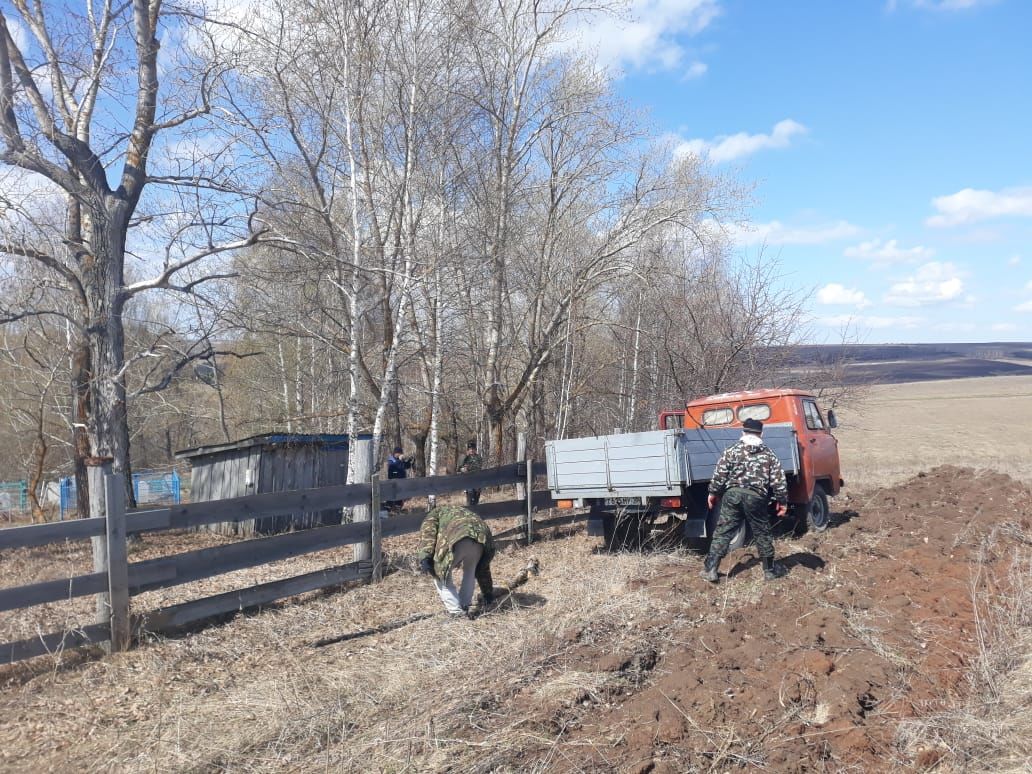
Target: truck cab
{"x":819,"y":475}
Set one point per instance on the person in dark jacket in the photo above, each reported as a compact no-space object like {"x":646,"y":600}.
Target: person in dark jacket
{"x":471,"y":463}
{"x":397,"y":467}
{"x":748,"y":477}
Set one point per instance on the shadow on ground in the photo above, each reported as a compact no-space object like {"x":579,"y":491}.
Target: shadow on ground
{"x":802,"y":559}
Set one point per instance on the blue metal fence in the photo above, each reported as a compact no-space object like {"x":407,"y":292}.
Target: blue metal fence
{"x":14,"y":496}
{"x":149,"y":488}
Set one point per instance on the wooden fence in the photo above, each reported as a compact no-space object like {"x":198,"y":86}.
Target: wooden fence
{"x":115,"y":580}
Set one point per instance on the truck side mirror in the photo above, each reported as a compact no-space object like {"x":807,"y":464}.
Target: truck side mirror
{"x":832,"y":420}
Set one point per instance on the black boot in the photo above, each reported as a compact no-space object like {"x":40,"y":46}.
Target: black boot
{"x":710,"y":567}
{"x":772,"y":570}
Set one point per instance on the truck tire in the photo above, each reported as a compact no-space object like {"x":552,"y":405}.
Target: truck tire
{"x":608,"y":531}
{"x":818,"y":515}
{"x":622,"y":531}
{"x":742,"y":536}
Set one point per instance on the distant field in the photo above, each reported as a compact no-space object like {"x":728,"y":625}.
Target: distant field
{"x":902,"y":429}
{"x":899,"y":371}
{"x":896,"y":363}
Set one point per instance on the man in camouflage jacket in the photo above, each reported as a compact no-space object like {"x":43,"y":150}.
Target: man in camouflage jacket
{"x":452,"y":536}
{"x":747,"y":478}
{"x":471,"y":463}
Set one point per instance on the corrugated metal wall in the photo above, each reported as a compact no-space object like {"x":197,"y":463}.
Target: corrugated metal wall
{"x":274,"y":468}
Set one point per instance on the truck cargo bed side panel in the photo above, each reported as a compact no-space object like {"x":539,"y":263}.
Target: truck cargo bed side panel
{"x":624,"y":465}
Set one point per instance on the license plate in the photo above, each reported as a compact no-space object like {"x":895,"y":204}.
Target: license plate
{"x":623,"y":501}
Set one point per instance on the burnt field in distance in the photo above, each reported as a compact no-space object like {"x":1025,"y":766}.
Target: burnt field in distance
{"x":932,"y":370}
{"x":896,"y":363}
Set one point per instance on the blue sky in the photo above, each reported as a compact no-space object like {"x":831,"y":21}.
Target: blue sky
{"x":890,"y":144}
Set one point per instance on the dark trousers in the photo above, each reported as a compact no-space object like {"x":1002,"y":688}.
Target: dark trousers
{"x":472,"y":496}
{"x":736,"y":506}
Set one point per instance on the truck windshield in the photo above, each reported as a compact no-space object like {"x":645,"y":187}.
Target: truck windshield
{"x":814,"y":421}
{"x":760,"y":411}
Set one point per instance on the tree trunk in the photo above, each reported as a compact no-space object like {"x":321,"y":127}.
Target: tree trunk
{"x":108,"y":427}
{"x":80,"y":384}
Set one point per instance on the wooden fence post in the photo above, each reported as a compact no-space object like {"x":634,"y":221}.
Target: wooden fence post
{"x":375,"y":543}
{"x":521,"y":456}
{"x":363,"y":451}
{"x":530,"y":501}
{"x":96,"y":469}
{"x":107,"y":501}
{"x":118,"y":562}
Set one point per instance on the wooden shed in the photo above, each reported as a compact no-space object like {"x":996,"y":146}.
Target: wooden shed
{"x":274,"y":462}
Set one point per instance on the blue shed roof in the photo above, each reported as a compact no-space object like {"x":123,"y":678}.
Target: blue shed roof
{"x":327,"y":440}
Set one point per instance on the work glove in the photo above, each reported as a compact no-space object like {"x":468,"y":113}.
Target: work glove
{"x":426,"y":566}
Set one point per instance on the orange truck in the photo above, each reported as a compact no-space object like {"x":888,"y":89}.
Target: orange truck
{"x":642,"y":487}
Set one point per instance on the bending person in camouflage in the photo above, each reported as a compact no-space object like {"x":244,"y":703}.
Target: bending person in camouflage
{"x":747,"y":477}
{"x":452,"y":536}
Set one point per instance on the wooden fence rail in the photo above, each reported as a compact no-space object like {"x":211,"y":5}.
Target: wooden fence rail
{"x":115,"y":580}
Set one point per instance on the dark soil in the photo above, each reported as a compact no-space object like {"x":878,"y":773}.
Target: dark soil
{"x":874,"y":624}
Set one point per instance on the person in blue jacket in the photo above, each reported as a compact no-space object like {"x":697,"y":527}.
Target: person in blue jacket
{"x":397,"y":467}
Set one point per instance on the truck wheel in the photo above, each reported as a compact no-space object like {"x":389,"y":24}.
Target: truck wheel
{"x":741,"y":536}
{"x":608,"y":531}
{"x":818,"y":515}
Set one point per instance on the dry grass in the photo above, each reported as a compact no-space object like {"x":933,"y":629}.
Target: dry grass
{"x":902,"y":429}
{"x":992,"y":729}
{"x":254,"y":696}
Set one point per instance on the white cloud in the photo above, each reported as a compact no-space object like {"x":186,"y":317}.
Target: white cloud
{"x":777,"y":233}
{"x":19,"y":33}
{"x":863,"y":321}
{"x":1004,"y":327}
{"x":932,"y":283}
{"x":695,"y":70}
{"x":836,"y":294}
{"x":736,"y":146}
{"x":971,"y":205}
{"x":1024,"y":307}
{"x":888,"y":252}
{"x":955,"y":327}
{"x":648,"y":36}
{"x":951,"y":5}
{"x":1014,"y":260}
{"x":25,"y":192}
{"x":939,"y":5}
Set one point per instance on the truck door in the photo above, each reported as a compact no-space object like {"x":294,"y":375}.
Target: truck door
{"x":820,"y":450}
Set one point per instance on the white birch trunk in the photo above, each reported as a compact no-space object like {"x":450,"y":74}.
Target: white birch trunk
{"x":632,"y":398}
{"x":286,"y":385}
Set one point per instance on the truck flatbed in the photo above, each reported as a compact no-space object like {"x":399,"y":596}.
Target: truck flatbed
{"x":657,"y":463}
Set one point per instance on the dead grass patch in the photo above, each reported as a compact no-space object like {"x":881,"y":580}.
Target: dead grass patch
{"x":991,"y":730}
